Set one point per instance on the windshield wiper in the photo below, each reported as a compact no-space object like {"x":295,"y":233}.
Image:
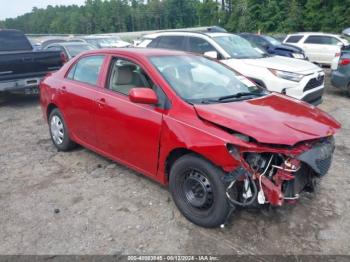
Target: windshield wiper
{"x":236,"y":96}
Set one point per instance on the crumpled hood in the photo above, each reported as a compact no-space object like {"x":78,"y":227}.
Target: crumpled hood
{"x":272,"y":119}
{"x":283,"y":63}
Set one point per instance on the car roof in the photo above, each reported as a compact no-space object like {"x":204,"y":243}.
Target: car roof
{"x":314,"y":33}
{"x":186,"y":33}
{"x":97,"y":36}
{"x":69,"y":43}
{"x":143,"y":52}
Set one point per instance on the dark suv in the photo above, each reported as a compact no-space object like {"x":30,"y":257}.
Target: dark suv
{"x":273,"y":46}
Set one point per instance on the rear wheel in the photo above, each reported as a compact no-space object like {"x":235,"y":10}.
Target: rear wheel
{"x":59,"y":131}
{"x":198,"y":191}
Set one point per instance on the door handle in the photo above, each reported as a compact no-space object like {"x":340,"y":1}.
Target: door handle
{"x":101,"y":102}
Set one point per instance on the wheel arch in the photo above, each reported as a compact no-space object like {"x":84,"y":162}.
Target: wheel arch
{"x":49,"y":109}
{"x":177,"y":153}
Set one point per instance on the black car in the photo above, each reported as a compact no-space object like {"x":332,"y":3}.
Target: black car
{"x":274,"y":46}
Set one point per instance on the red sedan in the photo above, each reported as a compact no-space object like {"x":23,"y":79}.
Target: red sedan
{"x":217,"y":139}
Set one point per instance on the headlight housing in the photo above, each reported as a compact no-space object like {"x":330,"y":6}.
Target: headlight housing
{"x":287,"y":75}
{"x":298,"y":56}
{"x":233,"y":151}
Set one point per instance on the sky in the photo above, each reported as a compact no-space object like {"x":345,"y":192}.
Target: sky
{"x":14,"y":8}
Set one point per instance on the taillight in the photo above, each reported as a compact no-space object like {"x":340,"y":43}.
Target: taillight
{"x":344,"y":61}
{"x":64,"y":58}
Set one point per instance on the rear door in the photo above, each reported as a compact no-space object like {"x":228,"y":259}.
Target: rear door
{"x":78,"y":94}
{"x":127,"y":131}
{"x":312,"y":46}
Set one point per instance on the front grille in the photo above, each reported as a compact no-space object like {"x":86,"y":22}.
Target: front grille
{"x":313,"y":83}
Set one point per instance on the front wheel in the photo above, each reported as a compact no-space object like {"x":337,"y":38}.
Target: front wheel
{"x":59,"y":131}
{"x":198,"y":191}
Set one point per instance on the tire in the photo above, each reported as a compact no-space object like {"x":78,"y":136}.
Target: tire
{"x":348,"y":90}
{"x":212,"y":208}
{"x":59,"y":131}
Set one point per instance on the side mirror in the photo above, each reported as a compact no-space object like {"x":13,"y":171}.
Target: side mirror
{"x":143,"y":95}
{"x":211,"y":54}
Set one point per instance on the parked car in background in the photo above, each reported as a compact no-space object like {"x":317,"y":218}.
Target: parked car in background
{"x":294,"y":77}
{"x":21,"y":67}
{"x":51,"y":41}
{"x":102,"y":41}
{"x":274,"y":46}
{"x":340,"y":75}
{"x":193,"y":123}
{"x":320,"y":48}
{"x":36,"y":45}
{"x":70,"y":49}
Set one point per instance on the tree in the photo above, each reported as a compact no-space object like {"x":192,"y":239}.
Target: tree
{"x":100,"y":16}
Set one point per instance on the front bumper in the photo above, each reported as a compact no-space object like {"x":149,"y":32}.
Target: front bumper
{"x":319,"y":157}
{"x":315,"y":97}
{"x":309,"y":89}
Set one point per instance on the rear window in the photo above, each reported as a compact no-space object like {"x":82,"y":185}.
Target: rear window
{"x":86,"y":70}
{"x":13,"y":41}
{"x":294,"y":38}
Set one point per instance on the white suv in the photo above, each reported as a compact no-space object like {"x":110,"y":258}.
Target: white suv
{"x":318,"y":47}
{"x":297,"y":78}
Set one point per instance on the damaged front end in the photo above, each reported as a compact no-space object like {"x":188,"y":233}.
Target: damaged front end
{"x":275,"y":175}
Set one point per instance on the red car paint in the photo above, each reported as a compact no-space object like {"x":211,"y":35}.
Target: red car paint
{"x":145,"y":137}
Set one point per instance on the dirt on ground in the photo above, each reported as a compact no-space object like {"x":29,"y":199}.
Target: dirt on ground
{"x":81,"y":203}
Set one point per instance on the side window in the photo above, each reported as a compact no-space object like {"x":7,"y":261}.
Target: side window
{"x":125,"y":75}
{"x":328,"y":40}
{"x":294,"y":38}
{"x":314,"y":39}
{"x":71,"y":72}
{"x":322,"y":40}
{"x":86,"y":70}
{"x":171,"y":42}
{"x":153,"y":43}
{"x":199,"y":45}
{"x":260,"y":41}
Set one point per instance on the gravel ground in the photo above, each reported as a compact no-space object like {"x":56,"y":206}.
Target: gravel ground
{"x":80,"y":203}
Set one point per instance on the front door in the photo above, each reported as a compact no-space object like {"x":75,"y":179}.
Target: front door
{"x":128,"y":131}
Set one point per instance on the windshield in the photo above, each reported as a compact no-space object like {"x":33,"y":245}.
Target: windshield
{"x":272,"y":40}
{"x":238,"y":47}
{"x":197,"y":79}
{"x":74,"y":50}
